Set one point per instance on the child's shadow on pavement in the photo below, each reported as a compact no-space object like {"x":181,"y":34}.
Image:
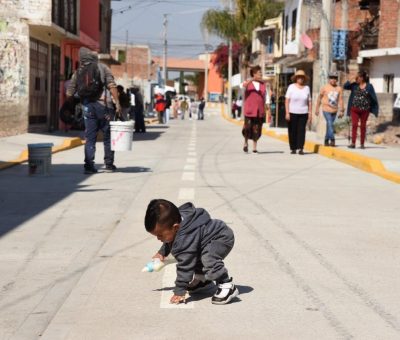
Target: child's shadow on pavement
{"x":208,"y":292}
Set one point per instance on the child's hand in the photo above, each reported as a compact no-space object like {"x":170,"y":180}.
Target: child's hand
{"x":177,"y":299}
{"x":159,"y":256}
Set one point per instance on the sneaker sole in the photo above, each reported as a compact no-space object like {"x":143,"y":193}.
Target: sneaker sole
{"x":229,"y":299}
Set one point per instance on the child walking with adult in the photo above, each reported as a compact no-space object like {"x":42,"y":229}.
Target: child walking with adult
{"x":331,"y":97}
{"x":254,"y":108}
{"x":298,"y":111}
{"x":198,"y":243}
{"x":362,"y":101}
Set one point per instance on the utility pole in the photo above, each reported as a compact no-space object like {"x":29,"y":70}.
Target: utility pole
{"x":207,"y":61}
{"x":230,"y":65}
{"x":165,"y":51}
{"x":325,"y":41}
{"x":126,"y":52}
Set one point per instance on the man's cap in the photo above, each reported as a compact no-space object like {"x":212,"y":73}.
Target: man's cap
{"x":333,"y":75}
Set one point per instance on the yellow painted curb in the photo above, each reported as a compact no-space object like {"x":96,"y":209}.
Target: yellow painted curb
{"x":371,"y":165}
{"x":67,"y":144}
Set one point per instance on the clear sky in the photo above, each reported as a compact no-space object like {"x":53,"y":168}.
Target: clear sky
{"x":144,"y":21}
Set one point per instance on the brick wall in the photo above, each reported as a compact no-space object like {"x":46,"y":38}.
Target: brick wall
{"x":389,"y":22}
{"x":138,"y":64}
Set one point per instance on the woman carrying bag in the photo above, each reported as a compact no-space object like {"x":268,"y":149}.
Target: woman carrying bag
{"x":362,"y":101}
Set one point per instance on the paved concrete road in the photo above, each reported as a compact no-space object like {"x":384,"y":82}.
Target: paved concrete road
{"x":316,"y":255}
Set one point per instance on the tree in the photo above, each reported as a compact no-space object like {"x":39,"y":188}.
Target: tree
{"x":239,"y":26}
{"x":220,"y":59}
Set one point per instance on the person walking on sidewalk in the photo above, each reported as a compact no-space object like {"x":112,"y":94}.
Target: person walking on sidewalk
{"x":362,"y":101}
{"x":331,"y":97}
{"x":239,"y":104}
{"x":254,"y":107}
{"x":159,"y":106}
{"x":91,"y":81}
{"x":184,"y":107}
{"x":298,"y":111}
{"x":201,"y":107}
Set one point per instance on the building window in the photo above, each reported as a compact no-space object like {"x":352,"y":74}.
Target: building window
{"x":121,"y":56}
{"x":64,"y":14}
{"x":388,"y":80}
{"x":270,"y":44}
{"x":286,"y":28}
{"x":294,"y":19}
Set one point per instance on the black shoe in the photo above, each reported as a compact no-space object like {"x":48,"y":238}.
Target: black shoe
{"x":255,"y":151}
{"x":226,"y":293}
{"x":293,"y":152}
{"x":326,"y":143}
{"x":111,"y":168}
{"x":301,"y":152}
{"x":362,"y":146}
{"x":332,"y":144}
{"x":352,"y":146}
{"x":245,"y":148}
{"x":90,"y":170}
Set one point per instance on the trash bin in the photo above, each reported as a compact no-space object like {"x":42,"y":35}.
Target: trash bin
{"x":39,"y":159}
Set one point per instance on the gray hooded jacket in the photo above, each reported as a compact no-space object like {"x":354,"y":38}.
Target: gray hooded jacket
{"x":196,"y":230}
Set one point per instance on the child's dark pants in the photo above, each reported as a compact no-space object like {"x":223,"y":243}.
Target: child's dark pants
{"x":211,"y":262}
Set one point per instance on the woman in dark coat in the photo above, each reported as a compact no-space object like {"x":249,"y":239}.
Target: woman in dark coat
{"x":362,"y":101}
{"x":254,"y":108}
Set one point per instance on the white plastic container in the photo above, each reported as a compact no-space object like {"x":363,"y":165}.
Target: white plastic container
{"x":154,"y":265}
{"x":121,"y":135}
{"x":39,"y":158}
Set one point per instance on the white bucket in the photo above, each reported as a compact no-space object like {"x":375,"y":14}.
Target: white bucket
{"x":121,"y":136}
{"x":39,"y":158}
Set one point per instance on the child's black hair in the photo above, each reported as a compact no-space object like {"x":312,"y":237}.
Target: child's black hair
{"x":163,"y":212}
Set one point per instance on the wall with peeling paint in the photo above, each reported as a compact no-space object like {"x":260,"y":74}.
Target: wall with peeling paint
{"x":14,"y":76}
{"x":15,"y":17}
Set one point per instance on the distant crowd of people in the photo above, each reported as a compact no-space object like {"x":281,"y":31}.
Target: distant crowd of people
{"x":177,"y":107}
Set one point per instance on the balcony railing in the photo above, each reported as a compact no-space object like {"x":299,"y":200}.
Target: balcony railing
{"x":64,"y":14}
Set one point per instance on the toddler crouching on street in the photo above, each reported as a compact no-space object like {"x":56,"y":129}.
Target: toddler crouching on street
{"x":198,"y":243}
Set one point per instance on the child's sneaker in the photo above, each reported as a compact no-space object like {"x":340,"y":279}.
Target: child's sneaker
{"x":226,"y":292}
{"x":199,"y":281}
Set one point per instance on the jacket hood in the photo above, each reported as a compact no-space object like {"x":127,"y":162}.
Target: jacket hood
{"x":192,"y":217}
{"x":87,"y":56}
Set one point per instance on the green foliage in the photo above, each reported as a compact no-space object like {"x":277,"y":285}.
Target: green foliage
{"x":239,"y":26}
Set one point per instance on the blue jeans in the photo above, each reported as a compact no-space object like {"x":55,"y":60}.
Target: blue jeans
{"x":330,"y":132}
{"x":97,"y":117}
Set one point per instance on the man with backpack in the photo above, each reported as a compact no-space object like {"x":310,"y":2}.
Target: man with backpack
{"x":94,"y":82}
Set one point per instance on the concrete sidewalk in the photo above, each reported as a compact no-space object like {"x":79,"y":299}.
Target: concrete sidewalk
{"x":13,"y":149}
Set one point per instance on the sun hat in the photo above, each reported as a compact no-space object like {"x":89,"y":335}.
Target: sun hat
{"x":300,"y":73}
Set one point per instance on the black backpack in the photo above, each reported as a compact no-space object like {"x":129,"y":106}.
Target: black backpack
{"x":89,"y":83}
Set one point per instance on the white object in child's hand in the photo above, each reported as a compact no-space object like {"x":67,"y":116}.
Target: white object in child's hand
{"x":153,"y":266}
